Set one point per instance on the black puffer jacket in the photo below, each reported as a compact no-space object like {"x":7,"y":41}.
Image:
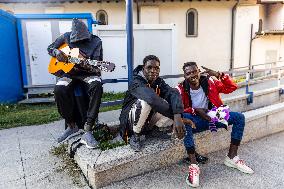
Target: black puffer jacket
{"x":168,"y":102}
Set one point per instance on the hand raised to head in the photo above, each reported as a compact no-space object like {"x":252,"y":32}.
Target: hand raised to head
{"x":211,"y":72}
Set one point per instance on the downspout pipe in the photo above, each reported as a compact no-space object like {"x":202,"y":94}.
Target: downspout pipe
{"x":137,"y":12}
{"x":250,"y":48}
{"x":250,"y":45}
{"x":233,"y":35}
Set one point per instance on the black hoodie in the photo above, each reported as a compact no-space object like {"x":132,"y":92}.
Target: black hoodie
{"x":167,"y":102}
{"x":90,"y":45}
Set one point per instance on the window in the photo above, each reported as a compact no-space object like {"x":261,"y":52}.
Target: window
{"x":102,"y":17}
{"x":191,"y":23}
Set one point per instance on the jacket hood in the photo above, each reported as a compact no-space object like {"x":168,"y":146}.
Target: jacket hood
{"x":137,"y":70}
{"x":79,"y":31}
{"x":138,"y":74}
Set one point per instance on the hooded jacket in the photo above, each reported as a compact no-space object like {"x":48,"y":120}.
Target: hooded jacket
{"x":212,"y":89}
{"x":160,"y":96}
{"x":90,"y":45}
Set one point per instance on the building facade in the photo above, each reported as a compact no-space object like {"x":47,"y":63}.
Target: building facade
{"x":222,"y":34}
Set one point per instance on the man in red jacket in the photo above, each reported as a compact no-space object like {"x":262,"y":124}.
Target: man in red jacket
{"x":200,"y":93}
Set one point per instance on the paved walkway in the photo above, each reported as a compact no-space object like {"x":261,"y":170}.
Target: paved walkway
{"x":26,"y":163}
{"x":265,"y":156}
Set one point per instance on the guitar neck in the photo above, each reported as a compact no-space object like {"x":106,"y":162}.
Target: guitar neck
{"x":75,"y":60}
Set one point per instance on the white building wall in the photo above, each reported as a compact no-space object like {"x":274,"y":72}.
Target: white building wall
{"x":263,"y":46}
{"x":149,"y":15}
{"x":246,"y":16}
{"x":275,"y":16}
{"x":115,"y":11}
{"x":210,"y":48}
{"x":263,"y":16}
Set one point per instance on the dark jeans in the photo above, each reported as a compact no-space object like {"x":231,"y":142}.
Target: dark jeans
{"x":79,"y":101}
{"x":236,"y":119}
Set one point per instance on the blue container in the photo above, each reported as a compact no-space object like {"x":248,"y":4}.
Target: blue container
{"x":11,"y":89}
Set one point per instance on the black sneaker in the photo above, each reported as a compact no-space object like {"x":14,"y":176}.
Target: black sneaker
{"x":199,"y":158}
{"x":135,"y":142}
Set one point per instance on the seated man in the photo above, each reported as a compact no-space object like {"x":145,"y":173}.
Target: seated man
{"x":78,"y":93}
{"x":149,"y":101}
{"x":200,"y":94}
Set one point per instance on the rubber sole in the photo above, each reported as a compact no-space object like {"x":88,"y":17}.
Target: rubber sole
{"x":188,"y":183}
{"x":85,"y":143}
{"x":234,"y":167}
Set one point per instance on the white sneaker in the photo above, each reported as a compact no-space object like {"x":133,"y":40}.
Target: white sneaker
{"x":192,"y":179}
{"x":239,"y":164}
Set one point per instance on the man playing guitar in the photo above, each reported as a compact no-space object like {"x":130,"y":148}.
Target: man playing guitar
{"x":78,"y":93}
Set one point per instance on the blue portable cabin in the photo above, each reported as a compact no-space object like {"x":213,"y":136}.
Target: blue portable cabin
{"x":11,"y":89}
{"x":35,"y":33}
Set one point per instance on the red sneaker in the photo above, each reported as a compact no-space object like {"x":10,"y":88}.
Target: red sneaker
{"x":192,"y":179}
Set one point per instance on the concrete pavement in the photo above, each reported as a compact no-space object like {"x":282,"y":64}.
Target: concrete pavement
{"x":265,"y":156}
{"x":25,"y":159}
{"x":26,"y":163}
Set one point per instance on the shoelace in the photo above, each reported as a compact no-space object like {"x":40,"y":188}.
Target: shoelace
{"x":240,"y":161}
{"x":192,"y":172}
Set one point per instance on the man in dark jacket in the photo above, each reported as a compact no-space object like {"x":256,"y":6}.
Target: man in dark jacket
{"x":78,"y":94}
{"x":149,"y":100}
{"x":200,"y":93}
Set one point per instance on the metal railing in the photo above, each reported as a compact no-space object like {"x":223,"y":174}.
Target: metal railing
{"x":276,"y":72}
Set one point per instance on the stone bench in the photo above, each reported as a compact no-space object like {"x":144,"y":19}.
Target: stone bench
{"x":104,"y":167}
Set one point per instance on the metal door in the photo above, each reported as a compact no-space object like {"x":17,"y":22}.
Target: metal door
{"x":39,"y":36}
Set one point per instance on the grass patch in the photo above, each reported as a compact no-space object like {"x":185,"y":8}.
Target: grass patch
{"x":68,"y":164}
{"x":15,"y":115}
{"x":112,"y":96}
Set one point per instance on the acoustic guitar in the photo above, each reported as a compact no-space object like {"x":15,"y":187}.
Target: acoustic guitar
{"x":74,"y":58}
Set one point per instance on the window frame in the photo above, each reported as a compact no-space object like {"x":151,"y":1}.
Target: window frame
{"x":194,"y":11}
{"x":100,"y":12}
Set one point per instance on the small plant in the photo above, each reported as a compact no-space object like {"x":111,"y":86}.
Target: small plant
{"x":69,"y":165}
{"x":106,"y":145}
{"x":104,"y":135}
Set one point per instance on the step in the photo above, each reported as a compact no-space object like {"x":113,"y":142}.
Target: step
{"x":260,"y":99}
{"x":37,"y":100}
{"x":104,"y":167}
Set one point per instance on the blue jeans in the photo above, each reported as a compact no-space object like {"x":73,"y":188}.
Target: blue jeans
{"x":236,"y":119}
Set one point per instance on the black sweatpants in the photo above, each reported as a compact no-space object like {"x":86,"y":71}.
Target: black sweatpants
{"x":79,"y":101}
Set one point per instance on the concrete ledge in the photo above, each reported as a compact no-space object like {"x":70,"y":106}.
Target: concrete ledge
{"x":260,"y":99}
{"x":104,"y":167}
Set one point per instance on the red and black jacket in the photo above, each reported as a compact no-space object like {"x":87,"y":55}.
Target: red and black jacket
{"x":212,"y":89}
